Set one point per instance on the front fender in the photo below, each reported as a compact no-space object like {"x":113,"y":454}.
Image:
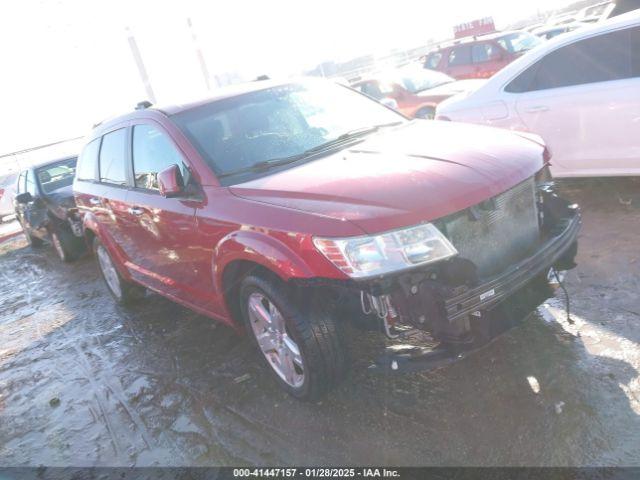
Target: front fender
{"x":266,"y":250}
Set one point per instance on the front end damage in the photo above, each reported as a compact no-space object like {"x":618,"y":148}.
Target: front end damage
{"x":510,"y":247}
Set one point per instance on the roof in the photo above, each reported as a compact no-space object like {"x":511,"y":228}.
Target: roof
{"x":475,"y":38}
{"x":172,"y":109}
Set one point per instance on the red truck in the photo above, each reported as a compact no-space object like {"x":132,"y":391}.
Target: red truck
{"x":290,"y":210}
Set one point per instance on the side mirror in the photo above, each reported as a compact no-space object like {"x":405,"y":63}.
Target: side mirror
{"x":24,"y":198}
{"x":389,"y":102}
{"x":170,"y":182}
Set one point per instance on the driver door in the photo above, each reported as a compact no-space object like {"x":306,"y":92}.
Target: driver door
{"x":162,"y":231}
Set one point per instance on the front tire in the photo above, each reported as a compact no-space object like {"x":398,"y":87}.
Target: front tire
{"x":67,"y":246}
{"x":123,"y":291}
{"x":300,"y":345}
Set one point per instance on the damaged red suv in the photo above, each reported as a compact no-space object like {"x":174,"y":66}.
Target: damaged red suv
{"x":288,"y":210}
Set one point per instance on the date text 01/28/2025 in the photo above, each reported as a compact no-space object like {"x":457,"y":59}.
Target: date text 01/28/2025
{"x":315,"y":472}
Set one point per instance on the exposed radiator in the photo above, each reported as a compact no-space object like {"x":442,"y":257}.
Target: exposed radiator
{"x":496,"y":233}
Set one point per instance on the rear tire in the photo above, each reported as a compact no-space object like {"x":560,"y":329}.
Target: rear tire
{"x":308,"y":336}
{"x":123,"y":291}
{"x":66,"y":244}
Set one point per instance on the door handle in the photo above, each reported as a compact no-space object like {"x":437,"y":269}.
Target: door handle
{"x":136,"y":211}
{"x":94,"y":201}
{"x":537,"y":109}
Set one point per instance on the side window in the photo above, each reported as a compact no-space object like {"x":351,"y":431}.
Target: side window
{"x":460,"y":55}
{"x":433,"y":60}
{"x":481,"y":52}
{"x":153,"y":151}
{"x":31,"y":186}
{"x":603,"y":58}
{"x":112,"y":158}
{"x":88,"y":161}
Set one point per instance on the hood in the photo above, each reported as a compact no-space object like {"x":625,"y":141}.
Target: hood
{"x":402,"y":176}
{"x":453,"y":88}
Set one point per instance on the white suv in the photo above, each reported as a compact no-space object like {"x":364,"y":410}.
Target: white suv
{"x":579,"y":91}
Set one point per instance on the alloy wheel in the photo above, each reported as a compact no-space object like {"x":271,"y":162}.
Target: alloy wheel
{"x":109,"y":271}
{"x":278,"y":347}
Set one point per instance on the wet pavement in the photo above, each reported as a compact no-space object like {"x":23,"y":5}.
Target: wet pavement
{"x":84,"y":382}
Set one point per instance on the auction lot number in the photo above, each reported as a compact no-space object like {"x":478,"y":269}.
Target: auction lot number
{"x":315,"y":472}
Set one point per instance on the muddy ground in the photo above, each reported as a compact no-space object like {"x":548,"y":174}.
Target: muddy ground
{"x":84,"y":382}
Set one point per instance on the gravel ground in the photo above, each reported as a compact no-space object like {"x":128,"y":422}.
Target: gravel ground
{"x":84,"y":382}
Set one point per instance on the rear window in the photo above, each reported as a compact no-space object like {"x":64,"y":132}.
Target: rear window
{"x":88,"y":161}
{"x":112,"y":158}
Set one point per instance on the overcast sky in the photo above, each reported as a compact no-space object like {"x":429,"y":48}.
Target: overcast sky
{"x":66,"y":64}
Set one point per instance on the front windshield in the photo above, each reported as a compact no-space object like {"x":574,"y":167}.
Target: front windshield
{"x":237,"y":133}
{"x":421,"y":79}
{"x":56,"y":175}
{"x":519,"y":42}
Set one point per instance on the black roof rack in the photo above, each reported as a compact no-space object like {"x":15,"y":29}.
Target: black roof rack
{"x":143,"y":105}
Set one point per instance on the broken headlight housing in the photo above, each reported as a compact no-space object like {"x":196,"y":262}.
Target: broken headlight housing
{"x":373,"y":255}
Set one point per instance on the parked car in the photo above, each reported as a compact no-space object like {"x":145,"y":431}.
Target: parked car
{"x":7,"y":192}
{"x":290,"y":209}
{"x":46,"y":210}
{"x":548,"y":32}
{"x":579,"y":91}
{"x":415,"y":91}
{"x":482,"y":56}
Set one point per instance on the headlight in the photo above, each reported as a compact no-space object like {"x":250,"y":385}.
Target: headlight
{"x":368,"y":256}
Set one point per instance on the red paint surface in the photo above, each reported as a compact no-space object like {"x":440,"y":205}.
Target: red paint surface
{"x":399,"y":177}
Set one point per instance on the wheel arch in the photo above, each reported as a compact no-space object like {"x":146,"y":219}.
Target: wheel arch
{"x":250,"y":252}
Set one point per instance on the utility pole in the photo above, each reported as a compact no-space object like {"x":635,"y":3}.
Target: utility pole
{"x":199,"y":55}
{"x":140,"y":64}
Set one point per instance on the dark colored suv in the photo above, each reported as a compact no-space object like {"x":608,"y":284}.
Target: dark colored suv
{"x":481,"y":56}
{"x":289,"y":210}
{"x":46,"y":210}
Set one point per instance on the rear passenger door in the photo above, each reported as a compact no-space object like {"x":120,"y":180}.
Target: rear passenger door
{"x":459,"y":64}
{"x":108,"y":200}
{"x":487,"y":58}
{"x":163,"y":229}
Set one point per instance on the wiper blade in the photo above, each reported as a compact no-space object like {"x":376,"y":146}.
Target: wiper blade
{"x":277,"y":162}
{"x":358,"y":132}
{"x":265,"y":165}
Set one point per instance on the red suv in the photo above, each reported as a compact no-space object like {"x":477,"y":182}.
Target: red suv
{"x":290,"y":210}
{"x":481,"y":56}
